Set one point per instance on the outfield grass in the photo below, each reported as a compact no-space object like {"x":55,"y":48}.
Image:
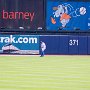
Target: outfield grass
{"x":45,"y":73}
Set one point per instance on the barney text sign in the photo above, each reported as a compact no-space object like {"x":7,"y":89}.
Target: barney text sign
{"x":21,"y":13}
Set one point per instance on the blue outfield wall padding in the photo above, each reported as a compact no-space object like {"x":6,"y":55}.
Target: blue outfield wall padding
{"x":63,"y":48}
{"x":82,"y":45}
{"x":51,"y":44}
{"x":66,"y":44}
{"x":73,"y":45}
{"x":88,"y":44}
{"x":56,"y":44}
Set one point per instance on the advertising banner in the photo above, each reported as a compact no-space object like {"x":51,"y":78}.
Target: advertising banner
{"x":27,"y":14}
{"x":19,"y":44}
{"x":69,"y":16}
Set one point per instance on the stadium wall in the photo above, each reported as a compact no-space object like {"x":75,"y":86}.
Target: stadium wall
{"x":67,"y":44}
{"x":24,"y":23}
{"x":56,"y":44}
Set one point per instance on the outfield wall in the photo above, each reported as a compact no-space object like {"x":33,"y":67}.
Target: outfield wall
{"x":56,"y":44}
{"x":67,"y":44}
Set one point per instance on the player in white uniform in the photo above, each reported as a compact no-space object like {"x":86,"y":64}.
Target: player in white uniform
{"x":43,"y":47}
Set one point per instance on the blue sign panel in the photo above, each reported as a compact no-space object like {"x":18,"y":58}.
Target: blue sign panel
{"x":63,"y":47}
{"x":52,"y":44}
{"x":73,"y":44}
{"x":67,"y":15}
{"x":19,"y":44}
{"x":89,"y":45}
{"x":83,"y":45}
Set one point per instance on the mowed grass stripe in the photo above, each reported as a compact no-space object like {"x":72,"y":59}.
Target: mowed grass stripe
{"x":50,"y":72}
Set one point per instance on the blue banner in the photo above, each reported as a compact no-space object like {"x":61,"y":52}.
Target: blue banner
{"x":19,"y":44}
{"x":67,"y":15}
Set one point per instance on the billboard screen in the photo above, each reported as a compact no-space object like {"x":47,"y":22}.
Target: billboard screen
{"x":67,"y":15}
{"x":21,"y":13}
{"x":19,"y":44}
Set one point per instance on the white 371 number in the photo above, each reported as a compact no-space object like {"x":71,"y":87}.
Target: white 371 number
{"x":73,"y":42}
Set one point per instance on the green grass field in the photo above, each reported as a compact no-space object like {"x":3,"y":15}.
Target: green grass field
{"x":45,"y":73}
